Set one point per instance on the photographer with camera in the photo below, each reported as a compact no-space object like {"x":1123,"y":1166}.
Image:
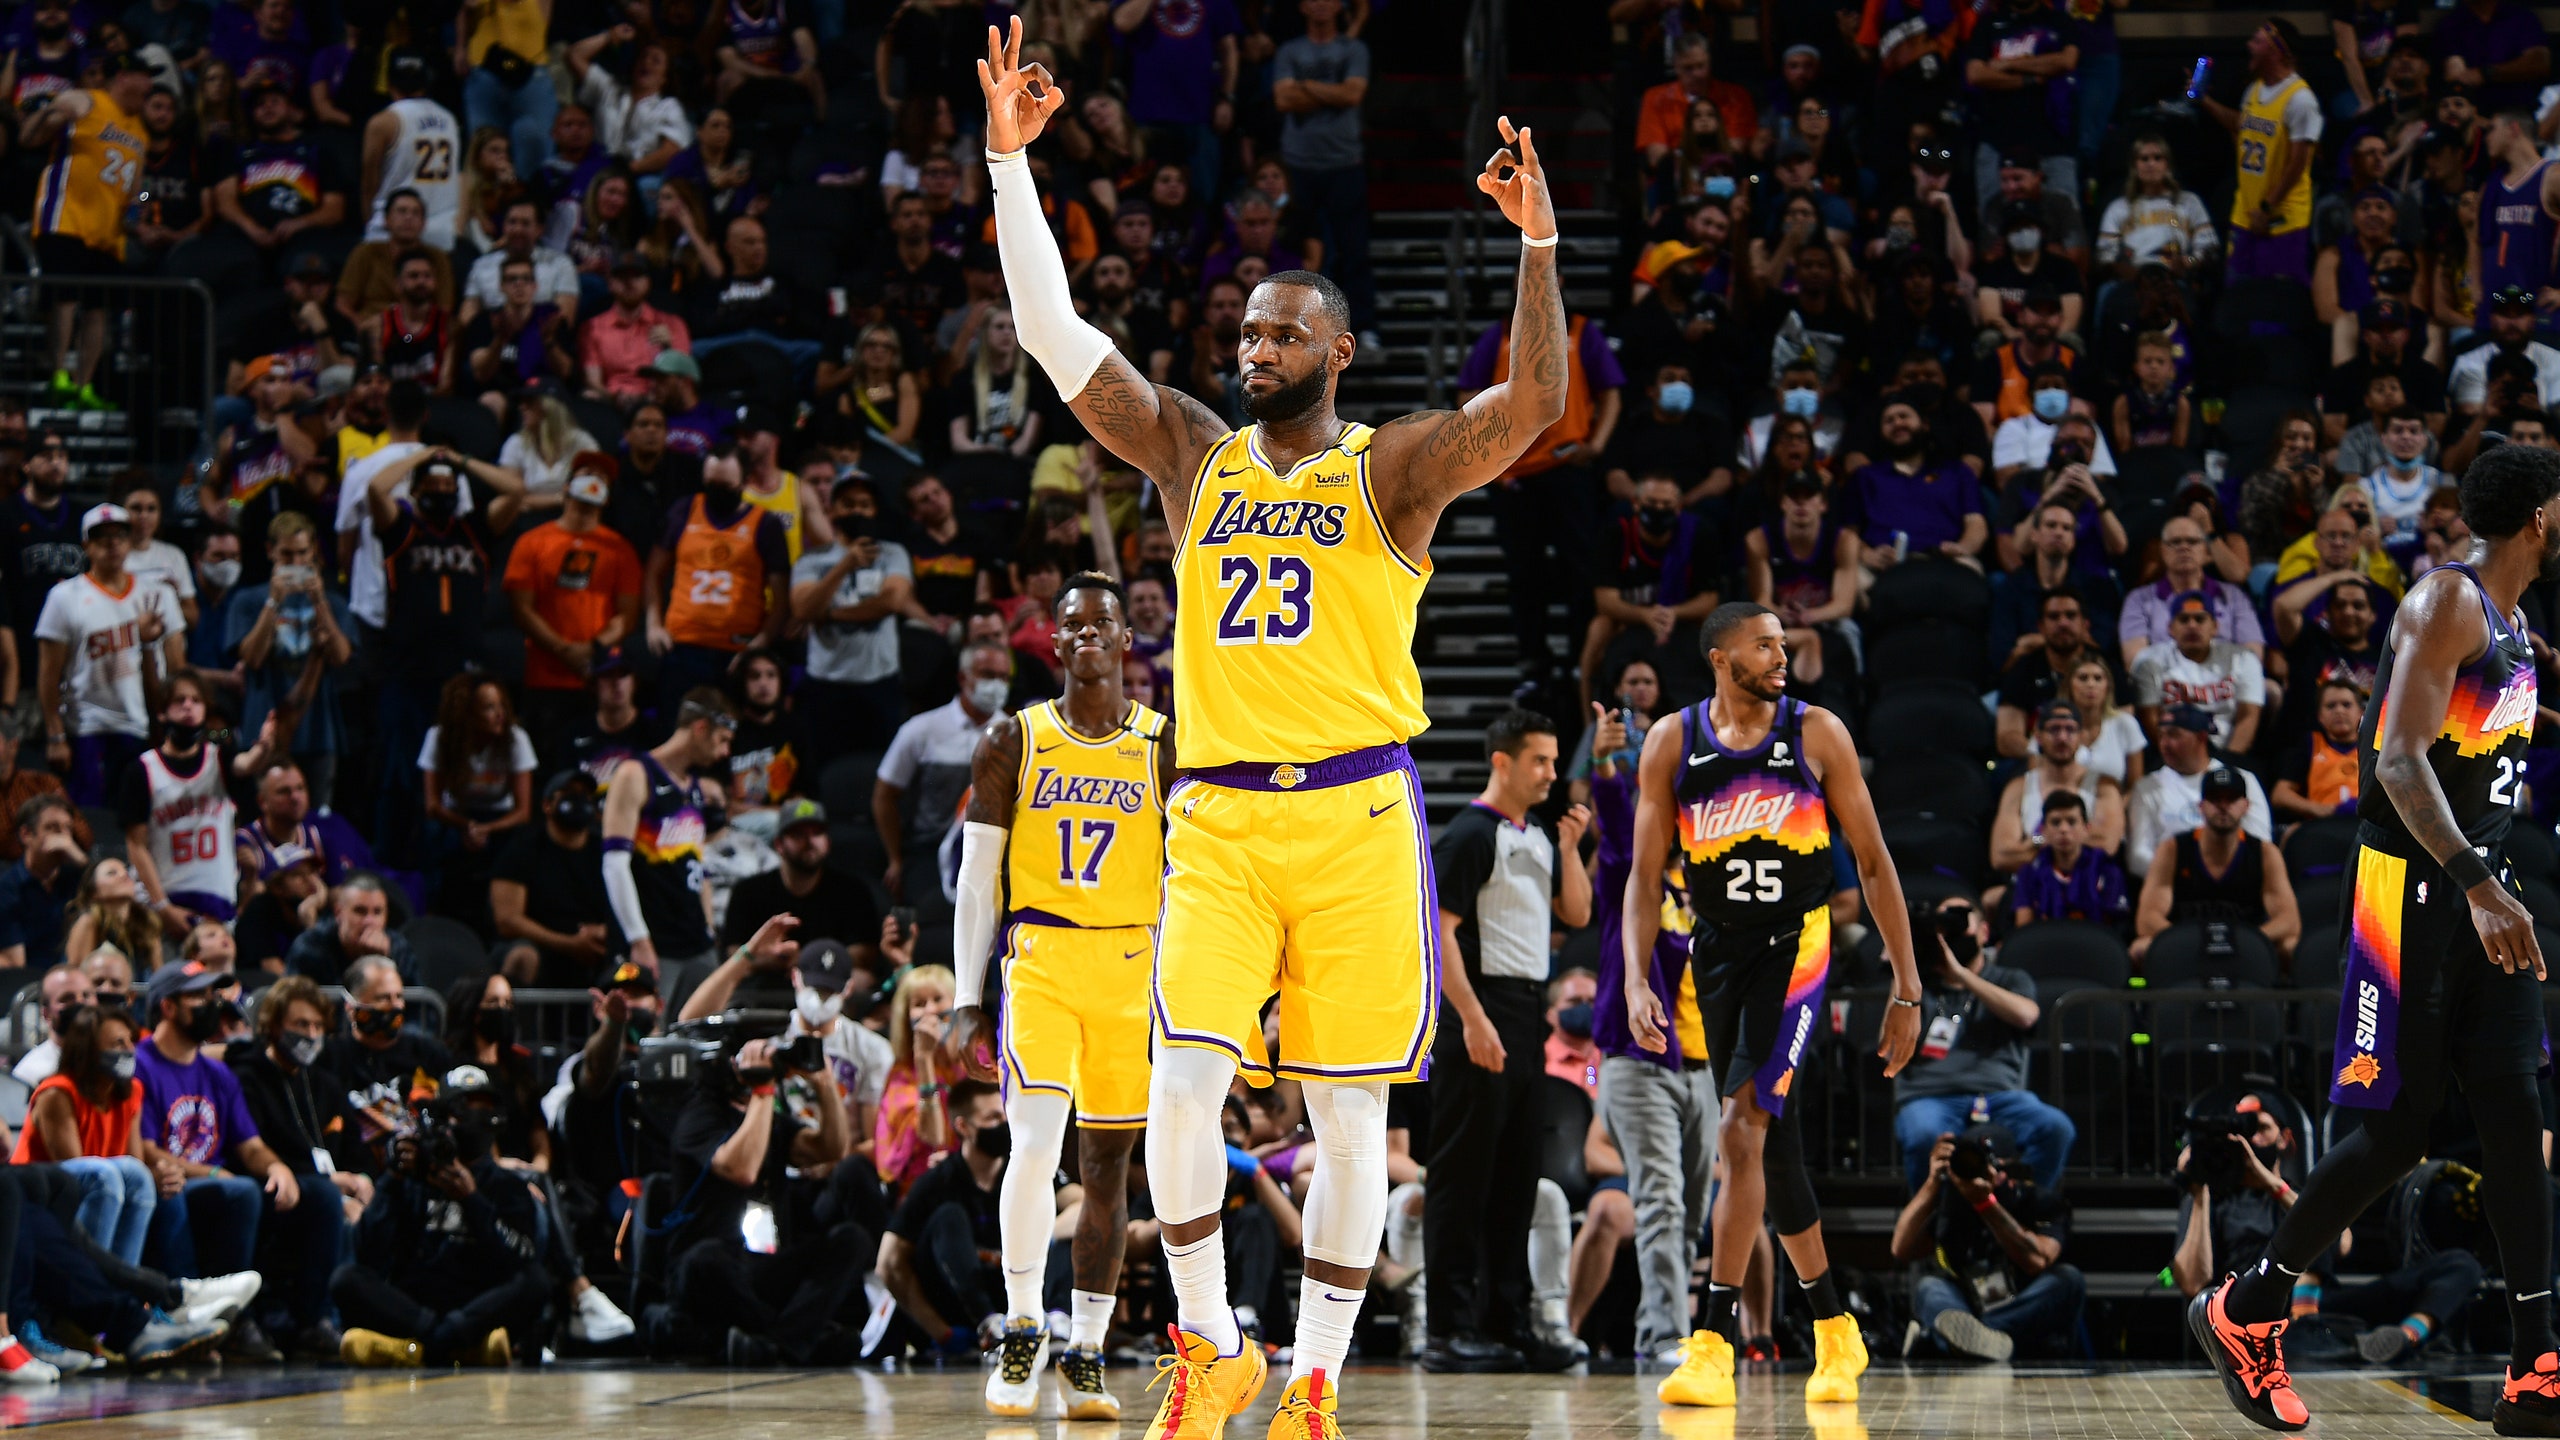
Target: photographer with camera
{"x":1972,"y":1060}
{"x":384,"y":1055}
{"x":597,"y":1148}
{"x":738,"y":1260}
{"x":1987,"y":1245}
{"x":447,"y":1269}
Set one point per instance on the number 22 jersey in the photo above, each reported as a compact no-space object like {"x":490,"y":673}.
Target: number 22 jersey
{"x":2478,"y":753}
{"x":1753,"y":828}
{"x":1294,"y":640}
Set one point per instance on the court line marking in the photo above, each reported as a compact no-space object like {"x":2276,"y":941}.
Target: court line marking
{"x":734,"y":1389}
{"x":162,"y":1412}
{"x":2402,"y":1389}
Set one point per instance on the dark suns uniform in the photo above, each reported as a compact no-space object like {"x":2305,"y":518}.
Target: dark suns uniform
{"x":2422,"y":999}
{"x":1755,"y":835}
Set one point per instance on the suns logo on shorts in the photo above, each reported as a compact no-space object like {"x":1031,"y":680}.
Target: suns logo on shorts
{"x":2362,"y":1070}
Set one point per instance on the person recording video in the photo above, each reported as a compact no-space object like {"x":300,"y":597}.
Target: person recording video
{"x":1985,"y":1241}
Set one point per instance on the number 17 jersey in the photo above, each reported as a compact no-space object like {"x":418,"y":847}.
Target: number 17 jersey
{"x":1294,"y":638}
{"x":1087,"y":848}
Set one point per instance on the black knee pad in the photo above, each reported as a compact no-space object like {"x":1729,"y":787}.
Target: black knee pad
{"x":1790,"y":1206}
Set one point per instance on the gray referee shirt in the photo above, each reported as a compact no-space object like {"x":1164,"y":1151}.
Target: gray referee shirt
{"x":1499,"y":879}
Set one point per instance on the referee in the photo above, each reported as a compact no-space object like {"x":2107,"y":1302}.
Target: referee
{"x":1503,"y":880}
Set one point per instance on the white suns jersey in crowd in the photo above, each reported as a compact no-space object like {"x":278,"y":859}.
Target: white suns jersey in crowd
{"x":426,"y":156}
{"x":193,"y":825}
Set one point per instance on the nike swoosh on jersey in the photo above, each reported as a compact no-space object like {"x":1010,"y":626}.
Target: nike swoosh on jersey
{"x":1383,"y":809}
{"x":1134,"y":954}
{"x":1223,"y":474}
{"x":1698,"y":760}
{"x":1045,"y":749}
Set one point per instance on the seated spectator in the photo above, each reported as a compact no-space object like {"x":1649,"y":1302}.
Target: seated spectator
{"x":1911,"y":503}
{"x":447,"y":1268}
{"x":107,"y":912}
{"x":2017,"y":827}
{"x":915,"y":1120}
{"x":17,"y":787}
{"x":2383,"y":348}
{"x":2199,"y":669}
{"x":2361,"y":450}
{"x":2402,"y":483}
{"x":383,"y":1055}
{"x":2026,"y":271}
{"x":1665,"y":437}
{"x":2001,"y":380}
{"x":64,"y":989}
{"x":2026,"y":441}
{"x":2318,"y":777}
{"x":521,"y":339}
{"x":2155,"y":411}
{"x":2184,"y":545}
{"x":87,"y":1118}
{"x":285,"y":816}
{"x":291,"y":896}
{"x":477,"y":768}
{"x":749,"y":303}
{"x":2512,"y":314}
{"x":358,"y":928}
{"x":36,"y":891}
{"x":1655,"y":574}
{"x":2342,"y":274}
{"x":2039,"y":673}
{"x":1665,"y":107}
{"x":2170,"y":800}
{"x":620,"y":341}
{"x":934,"y":1256}
{"x":370,"y":283}
{"x":2052,"y":558}
{"x":546,"y":889}
{"x":2215,"y":873}
{"x":2344,"y":644}
{"x":299,"y":1103}
{"x":1805,"y":567}
{"x":807,"y":888}
{"x":1982,"y":1232}
{"x":734,"y":1148}
{"x":639,"y":121}
{"x":555,"y":276}
{"x":1978,"y":1018}
{"x":195,"y":1130}
{"x":283,"y":194}
{"x":2155,"y":221}
{"x":2069,"y":877}
{"x":2337,"y":553}
{"x":413,"y":337}
{"x":546,"y":443}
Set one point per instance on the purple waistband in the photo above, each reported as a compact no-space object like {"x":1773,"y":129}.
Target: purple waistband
{"x":1315,"y":775}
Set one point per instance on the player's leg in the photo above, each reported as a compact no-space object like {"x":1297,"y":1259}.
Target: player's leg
{"x":1102,"y":1234}
{"x":1037,"y":1042}
{"x":1742,"y":1137}
{"x":1840,"y":1354}
{"x":2515,"y":1190}
{"x":1345,"y":1218}
{"x":93,"y":343}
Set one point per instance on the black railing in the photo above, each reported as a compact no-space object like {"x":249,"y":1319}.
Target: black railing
{"x":159,"y":370}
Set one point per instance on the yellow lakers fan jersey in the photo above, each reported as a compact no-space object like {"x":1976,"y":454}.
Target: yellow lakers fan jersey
{"x":2264,"y":144}
{"x":1088,"y":823}
{"x":1294,"y":638}
{"x":97,"y":162}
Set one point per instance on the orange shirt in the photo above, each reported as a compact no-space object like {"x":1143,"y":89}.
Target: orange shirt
{"x":577,"y":582}
{"x":105,"y":1130}
{"x":718,"y":593}
{"x":1664,"y":120}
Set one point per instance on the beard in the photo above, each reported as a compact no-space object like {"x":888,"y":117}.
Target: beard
{"x":1294,"y":399}
{"x":1769,"y":685}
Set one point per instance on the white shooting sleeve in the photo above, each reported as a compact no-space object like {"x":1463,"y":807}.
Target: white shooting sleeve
{"x":622,"y":894}
{"x":973,"y":918}
{"x":1035,"y":280}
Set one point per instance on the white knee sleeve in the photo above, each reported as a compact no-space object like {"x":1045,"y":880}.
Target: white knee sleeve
{"x":1028,"y":1202}
{"x":1186,"y":1151}
{"x":1550,"y":1243}
{"x":1346,"y":1210}
{"x":1404,"y":1225}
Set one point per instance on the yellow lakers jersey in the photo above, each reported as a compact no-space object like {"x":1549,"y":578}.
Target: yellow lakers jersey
{"x":97,"y":162}
{"x":1294,"y":638}
{"x":2264,"y":144}
{"x":1088,"y":823}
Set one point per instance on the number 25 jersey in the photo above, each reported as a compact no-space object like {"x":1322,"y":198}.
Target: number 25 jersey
{"x":1753,"y":827}
{"x":1294,"y":638}
{"x":1087,"y":847}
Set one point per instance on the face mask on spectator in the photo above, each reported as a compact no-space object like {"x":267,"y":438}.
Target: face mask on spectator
{"x":2027,"y":241}
{"x":438,"y":507}
{"x":225,"y":573}
{"x":376,"y":1021}
{"x":119,"y":1063}
{"x":1676,"y":397}
{"x":182,"y":735}
{"x":2052,"y":405}
{"x":994,"y":1141}
{"x":640,"y":1024}
{"x":1800,"y":401}
{"x":1575,"y":1020}
{"x":988,"y":695}
{"x":2394,"y":279}
{"x":1657,"y":519}
{"x":574,"y":813}
{"x":1720,"y":187}
{"x":204,"y":1023}
{"x":302,"y":1050}
{"x":494,"y":1023}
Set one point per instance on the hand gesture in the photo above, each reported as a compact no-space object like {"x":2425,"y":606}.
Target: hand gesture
{"x":454,"y":1181}
{"x":1901,"y":1037}
{"x":616,"y":1005}
{"x":1940,"y":1154}
{"x":1608,"y":731}
{"x":1645,"y":1020}
{"x":1019,"y":101}
{"x":1517,"y":183}
{"x":771,"y":947}
{"x":590,"y":946}
{"x":1569,"y":829}
{"x":966,"y":1047}
{"x":2506,"y":929}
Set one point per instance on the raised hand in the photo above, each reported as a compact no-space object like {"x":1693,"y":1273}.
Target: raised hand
{"x":1517,"y":183}
{"x":1019,"y":101}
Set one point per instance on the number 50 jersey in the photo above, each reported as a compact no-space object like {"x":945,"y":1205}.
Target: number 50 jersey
{"x":1753,"y":827}
{"x":1087,"y":847}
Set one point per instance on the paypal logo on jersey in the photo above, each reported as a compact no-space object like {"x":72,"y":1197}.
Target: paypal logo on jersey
{"x":1274,"y":520}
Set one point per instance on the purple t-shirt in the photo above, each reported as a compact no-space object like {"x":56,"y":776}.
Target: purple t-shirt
{"x":1173,"y":57}
{"x":193,"y":1111}
{"x":1928,"y":507}
{"x":2093,"y":889}
{"x":1599,"y":363}
{"x":2509,"y":31}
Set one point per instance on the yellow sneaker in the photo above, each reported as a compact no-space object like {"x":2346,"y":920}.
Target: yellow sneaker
{"x":1705,"y":1376}
{"x":1839,"y":1358}
{"x":1306,"y":1411}
{"x":371,"y":1349}
{"x":494,"y":1349}
{"x":1203,"y":1388}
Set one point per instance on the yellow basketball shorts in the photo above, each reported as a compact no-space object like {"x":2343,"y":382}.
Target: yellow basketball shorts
{"x":1309,"y":882}
{"x":1075,"y":1018}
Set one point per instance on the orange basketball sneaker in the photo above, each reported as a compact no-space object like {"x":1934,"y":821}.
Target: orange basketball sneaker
{"x":1203,"y":1387}
{"x":2250,"y":1360}
{"x":1306,"y":1411}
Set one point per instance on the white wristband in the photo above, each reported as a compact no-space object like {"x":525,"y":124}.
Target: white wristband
{"x":1546,"y":244}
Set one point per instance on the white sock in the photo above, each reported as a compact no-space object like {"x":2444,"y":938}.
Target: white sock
{"x":1199,"y":1272}
{"x":1326,"y":1314}
{"x":1091,"y":1322}
{"x":1550,"y":1251}
{"x":1021,"y":1294}
{"x":1026,"y":1202}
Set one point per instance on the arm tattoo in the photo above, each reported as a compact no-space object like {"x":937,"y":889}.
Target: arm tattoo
{"x":1537,"y":323}
{"x":992,"y":772}
{"x":1156,"y":428}
{"x":1465,"y":440}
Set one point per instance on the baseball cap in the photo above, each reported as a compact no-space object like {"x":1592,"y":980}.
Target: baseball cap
{"x":2184,"y":598}
{"x":1661,"y":255}
{"x":265,"y":365}
{"x":630,"y":264}
{"x":467,"y":1080}
{"x":757,"y":416}
{"x":675,"y":362}
{"x":2384,"y":314}
{"x":632,"y":977}
{"x":1935,"y":158}
{"x":1793,"y":149}
{"x":2058,"y":710}
{"x":800,"y":810}
{"x":410,"y":71}
{"x":284,"y":857}
{"x":129,"y":63}
{"x":333,"y":382}
{"x":2021,"y":157}
{"x":311,"y":267}
{"x":2224,"y":783}
{"x":2043,"y":297}
{"x":1802,"y":482}
{"x":2511,"y":297}
{"x":2440,"y":137}
{"x":1995,"y":1140}
{"x":2190,"y":718}
{"x":107,"y":514}
{"x":170,"y":981}
{"x":591,"y":476}
{"x":825,"y":966}
{"x":610,"y":660}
